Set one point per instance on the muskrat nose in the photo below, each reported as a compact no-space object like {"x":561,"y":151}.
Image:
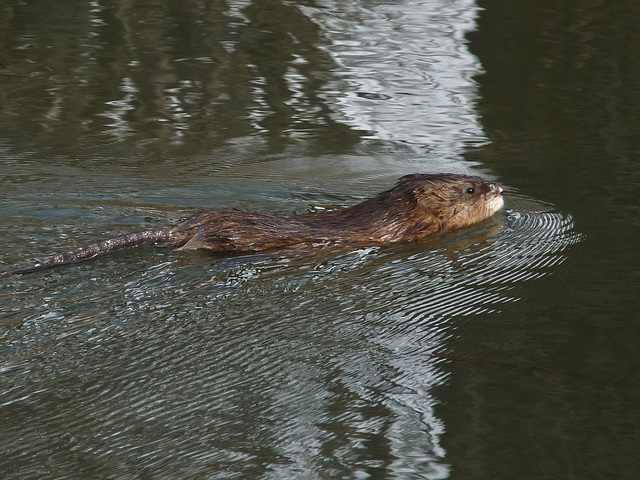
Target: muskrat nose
{"x":500,"y":190}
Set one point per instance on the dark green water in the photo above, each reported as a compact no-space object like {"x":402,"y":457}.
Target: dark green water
{"x":509,"y":350}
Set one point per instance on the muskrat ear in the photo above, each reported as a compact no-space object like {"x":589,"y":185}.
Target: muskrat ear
{"x":407,"y":178}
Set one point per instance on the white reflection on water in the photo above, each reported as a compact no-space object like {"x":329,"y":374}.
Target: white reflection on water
{"x":404,"y":72}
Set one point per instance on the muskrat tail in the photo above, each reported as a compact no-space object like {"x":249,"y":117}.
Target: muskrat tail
{"x":111,"y":245}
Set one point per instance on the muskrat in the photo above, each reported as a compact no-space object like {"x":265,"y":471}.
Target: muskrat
{"x":416,"y":207}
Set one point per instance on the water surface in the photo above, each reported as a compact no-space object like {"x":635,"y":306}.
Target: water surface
{"x":507,"y":350}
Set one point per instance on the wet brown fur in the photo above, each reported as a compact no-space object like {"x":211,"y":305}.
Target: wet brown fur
{"x":418,"y":206}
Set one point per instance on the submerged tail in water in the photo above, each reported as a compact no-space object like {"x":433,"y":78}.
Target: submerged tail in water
{"x":115,"y":244}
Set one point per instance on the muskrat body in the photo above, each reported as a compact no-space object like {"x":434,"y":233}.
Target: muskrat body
{"x":418,"y":206}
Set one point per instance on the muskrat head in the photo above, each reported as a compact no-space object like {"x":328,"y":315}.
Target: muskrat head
{"x":456,"y":201}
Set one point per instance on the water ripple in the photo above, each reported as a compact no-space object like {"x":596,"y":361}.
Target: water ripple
{"x":308,"y":359}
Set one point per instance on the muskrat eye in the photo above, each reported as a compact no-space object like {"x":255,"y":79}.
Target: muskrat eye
{"x":471,"y":190}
